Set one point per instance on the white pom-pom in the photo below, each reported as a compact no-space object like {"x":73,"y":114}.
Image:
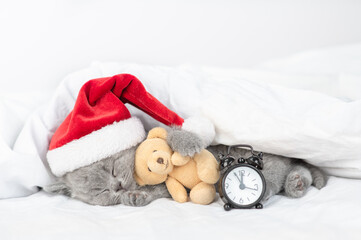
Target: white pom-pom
{"x":203,"y":127}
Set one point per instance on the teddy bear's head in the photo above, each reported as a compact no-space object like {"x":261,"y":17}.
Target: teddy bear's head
{"x":153,"y":158}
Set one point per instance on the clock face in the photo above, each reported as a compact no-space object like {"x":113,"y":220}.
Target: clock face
{"x":243,"y":186}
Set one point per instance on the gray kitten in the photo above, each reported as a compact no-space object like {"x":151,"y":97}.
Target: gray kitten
{"x":110,"y":181}
{"x":293,"y":176}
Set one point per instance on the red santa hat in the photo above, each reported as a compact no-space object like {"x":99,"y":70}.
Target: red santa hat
{"x":100,"y":124}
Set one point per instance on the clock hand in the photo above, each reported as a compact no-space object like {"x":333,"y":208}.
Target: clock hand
{"x":251,"y":188}
{"x":241,"y":184}
{"x":242,"y":178}
{"x":235,"y":174}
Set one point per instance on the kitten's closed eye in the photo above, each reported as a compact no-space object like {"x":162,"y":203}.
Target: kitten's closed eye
{"x":113,"y":172}
{"x":101,"y":192}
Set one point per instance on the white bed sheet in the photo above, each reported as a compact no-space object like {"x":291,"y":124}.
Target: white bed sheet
{"x":331,"y":213}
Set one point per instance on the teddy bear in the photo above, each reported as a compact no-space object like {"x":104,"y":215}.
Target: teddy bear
{"x":156,"y":162}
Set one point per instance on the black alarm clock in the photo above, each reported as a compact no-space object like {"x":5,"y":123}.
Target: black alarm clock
{"x":242,"y":183}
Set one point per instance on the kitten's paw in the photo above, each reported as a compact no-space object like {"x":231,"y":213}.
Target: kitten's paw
{"x":184,"y":142}
{"x":139,"y":198}
{"x":319,"y":182}
{"x":161,"y":191}
{"x":297,"y":184}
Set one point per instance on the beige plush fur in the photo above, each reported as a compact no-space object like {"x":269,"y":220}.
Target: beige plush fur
{"x":155,"y":162}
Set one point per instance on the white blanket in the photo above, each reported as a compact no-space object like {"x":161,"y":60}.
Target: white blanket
{"x":322,"y":129}
{"x":331,"y":213}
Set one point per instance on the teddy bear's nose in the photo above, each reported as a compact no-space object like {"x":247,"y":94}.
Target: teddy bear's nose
{"x":160,"y":160}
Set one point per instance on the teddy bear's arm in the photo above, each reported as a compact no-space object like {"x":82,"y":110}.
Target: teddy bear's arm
{"x":176,"y":190}
{"x":179,"y":160}
{"x":207,"y":167}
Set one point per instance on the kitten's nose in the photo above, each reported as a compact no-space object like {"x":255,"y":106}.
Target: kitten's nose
{"x":119,"y":187}
{"x":160,"y":160}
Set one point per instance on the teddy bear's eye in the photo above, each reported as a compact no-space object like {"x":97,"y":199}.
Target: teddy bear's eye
{"x":154,"y":150}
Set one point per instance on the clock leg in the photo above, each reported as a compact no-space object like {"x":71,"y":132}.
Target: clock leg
{"x":259,"y":206}
{"x":227,"y":207}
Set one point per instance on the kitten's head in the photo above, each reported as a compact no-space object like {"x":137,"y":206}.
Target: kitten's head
{"x":112,"y":174}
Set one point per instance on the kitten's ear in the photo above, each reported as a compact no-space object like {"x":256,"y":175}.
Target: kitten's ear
{"x":59,"y":188}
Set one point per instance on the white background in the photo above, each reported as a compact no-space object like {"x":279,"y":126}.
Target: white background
{"x":41,"y":41}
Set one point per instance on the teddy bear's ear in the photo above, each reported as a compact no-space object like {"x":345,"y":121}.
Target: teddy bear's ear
{"x":158,"y":132}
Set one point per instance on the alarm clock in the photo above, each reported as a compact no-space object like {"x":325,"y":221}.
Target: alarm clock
{"x":242,"y":183}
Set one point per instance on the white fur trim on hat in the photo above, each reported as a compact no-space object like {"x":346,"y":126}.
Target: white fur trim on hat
{"x":203,"y":127}
{"x":96,"y":146}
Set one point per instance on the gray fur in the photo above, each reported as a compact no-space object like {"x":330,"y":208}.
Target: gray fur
{"x":184,"y":142}
{"x":297,"y":181}
{"x":293,"y":176}
{"x":108,"y":182}
{"x":58,"y":187}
